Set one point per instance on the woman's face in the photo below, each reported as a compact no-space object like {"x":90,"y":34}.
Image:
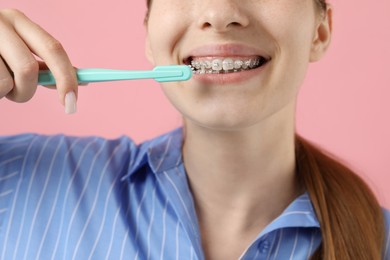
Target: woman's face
{"x":222,"y":37}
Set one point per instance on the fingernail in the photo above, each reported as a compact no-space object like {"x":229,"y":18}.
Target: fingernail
{"x":70,"y":103}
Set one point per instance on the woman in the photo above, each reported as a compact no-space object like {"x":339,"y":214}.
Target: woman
{"x":236,"y":182}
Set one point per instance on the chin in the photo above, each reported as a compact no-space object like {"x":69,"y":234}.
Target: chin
{"x":222,"y":123}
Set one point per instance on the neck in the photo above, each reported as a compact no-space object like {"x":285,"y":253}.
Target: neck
{"x":248,"y":174}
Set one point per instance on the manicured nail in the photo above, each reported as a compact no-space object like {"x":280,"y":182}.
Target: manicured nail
{"x":70,"y":103}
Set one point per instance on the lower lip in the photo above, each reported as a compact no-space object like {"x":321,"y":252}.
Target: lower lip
{"x":228,"y":78}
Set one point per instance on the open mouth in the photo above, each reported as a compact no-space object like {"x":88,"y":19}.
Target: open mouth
{"x":223,"y":65}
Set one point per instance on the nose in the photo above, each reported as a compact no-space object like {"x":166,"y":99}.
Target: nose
{"x":222,"y":15}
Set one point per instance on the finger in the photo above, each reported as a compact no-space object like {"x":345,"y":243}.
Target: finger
{"x":6,"y":80}
{"x":43,"y":66}
{"x":53,"y":87}
{"x":22,"y":63}
{"x":50,"y":50}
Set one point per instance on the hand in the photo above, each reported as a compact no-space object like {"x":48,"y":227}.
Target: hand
{"x":21,"y":41}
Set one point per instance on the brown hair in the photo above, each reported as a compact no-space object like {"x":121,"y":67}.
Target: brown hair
{"x":320,"y":3}
{"x":148,"y":5}
{"x":351,"y":219}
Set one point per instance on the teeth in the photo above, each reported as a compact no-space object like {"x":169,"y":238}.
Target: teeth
{"x":228,"y":64}
{"x":216,"y":65}
{"x":252,"y":64}
{"x":197,"y":65}
{"x":246,"y":64}
{"x":224,"y":65}
{"x":207,"y":64}
{"x":238,"y":64}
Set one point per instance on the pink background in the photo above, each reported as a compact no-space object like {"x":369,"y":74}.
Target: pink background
{"x":344,"y":104}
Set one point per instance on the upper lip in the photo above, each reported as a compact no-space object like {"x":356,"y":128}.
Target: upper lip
{"x":225,"y":50}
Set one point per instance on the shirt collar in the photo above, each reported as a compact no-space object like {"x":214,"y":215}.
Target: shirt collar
{"x":164,"y":153}
{"x":161,"y":153}
{"x":300,"y":213}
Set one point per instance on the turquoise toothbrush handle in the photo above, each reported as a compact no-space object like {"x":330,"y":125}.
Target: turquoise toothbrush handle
{"x":159,"y":73}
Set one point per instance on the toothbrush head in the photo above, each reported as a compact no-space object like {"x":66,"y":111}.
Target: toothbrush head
{"x":172,"y":73}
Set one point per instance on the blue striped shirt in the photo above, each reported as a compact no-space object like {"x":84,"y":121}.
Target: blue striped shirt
{"x":91,"y":198}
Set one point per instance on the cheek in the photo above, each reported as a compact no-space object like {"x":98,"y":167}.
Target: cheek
{"x":165,"y":28}
{"x":290,"y":23}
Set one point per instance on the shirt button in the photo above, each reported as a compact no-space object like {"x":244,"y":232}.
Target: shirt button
{"x":264,"y":246}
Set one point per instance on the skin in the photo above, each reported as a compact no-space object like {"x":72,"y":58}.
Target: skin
{"x":239,"y":142}
{"x":239,"y":138}
{"x":23,"y":39}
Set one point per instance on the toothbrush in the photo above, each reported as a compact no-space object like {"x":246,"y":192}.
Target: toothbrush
{"x":159,"y":73}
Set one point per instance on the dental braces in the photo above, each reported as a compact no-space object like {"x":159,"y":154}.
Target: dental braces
{"x":227,"y":65}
